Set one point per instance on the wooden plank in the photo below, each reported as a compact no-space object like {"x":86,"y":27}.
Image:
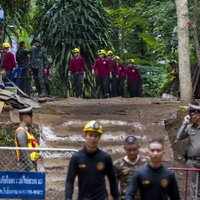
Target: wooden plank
{"x":6,"y":92}
{"x":1,"y":106}
{"x":27,"y":101}
{"x":4,"y":98}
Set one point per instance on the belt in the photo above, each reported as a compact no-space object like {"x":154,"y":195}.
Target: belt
{"x":77,"y":72}
{"x":197,"y":158}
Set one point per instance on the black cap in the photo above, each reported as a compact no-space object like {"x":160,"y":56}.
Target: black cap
{"x":130,"y":139}
{"x":193,"y":108}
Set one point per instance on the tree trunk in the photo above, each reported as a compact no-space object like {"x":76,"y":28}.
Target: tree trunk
{"x":196,"y":68}
{"x":183,"y":49}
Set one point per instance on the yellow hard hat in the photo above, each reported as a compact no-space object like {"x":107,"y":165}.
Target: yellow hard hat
{"x":93,"y":126}
{"x":117,"y":58}
{"x":6,"y":45}
{"x":131,"y":61}
{"x":109,"y":53}
{"x":102,"y":51}
{"x":75,"y":50}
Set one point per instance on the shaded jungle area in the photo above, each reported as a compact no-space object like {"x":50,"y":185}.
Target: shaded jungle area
{"x":127,"y":28}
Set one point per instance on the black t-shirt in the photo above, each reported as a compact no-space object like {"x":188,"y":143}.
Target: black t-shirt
{"x":91,"y":169}
{"x":154,"y":184}
{"x":22,"y":58}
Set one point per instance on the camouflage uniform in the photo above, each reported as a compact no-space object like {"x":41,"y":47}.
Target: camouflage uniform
{"x":39,"y":61}
{"x":124,"y":172}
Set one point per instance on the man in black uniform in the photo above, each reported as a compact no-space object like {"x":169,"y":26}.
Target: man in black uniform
{"x":154,"y":180}
{"x":22,"y":57}
{"x":91,"y":165}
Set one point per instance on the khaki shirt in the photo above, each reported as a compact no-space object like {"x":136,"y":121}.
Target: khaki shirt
{"x":193,"y":133}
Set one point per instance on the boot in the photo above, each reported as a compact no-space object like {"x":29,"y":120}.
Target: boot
{"x":42,"y":94}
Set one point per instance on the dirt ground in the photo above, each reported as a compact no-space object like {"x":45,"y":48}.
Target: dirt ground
{"x":62,"y":122}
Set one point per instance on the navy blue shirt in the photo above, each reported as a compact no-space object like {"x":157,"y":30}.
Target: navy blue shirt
{"x":154,"y":184}
{"x":91,"y":169}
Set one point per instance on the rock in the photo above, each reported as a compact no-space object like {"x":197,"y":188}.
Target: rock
{"x":166,"y":96}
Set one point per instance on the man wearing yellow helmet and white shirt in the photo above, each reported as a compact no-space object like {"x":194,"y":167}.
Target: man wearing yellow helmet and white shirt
{"x":91,"y":165}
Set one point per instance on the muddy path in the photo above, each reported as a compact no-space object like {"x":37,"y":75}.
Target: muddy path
{"x":62,"y":121}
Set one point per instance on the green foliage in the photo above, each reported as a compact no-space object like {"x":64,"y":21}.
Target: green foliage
{"x":64,"y":25}
{"x":153,"y":77}
{"x":161,"y":19}
{"x":16,"y":15}
{"x":7,"y":134}
{"x":149,"y":39}
{"x":90,"y":89}
{"x":143,"y":30}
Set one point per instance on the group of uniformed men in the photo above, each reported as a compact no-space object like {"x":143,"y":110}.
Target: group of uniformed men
{"x":131,"y":173}
{"x":108,"y":69}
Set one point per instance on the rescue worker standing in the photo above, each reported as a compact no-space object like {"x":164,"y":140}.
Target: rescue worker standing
{"x":23,"y":138}
{"x":22,"y":57}
{"x":77,"y":69}
{"x":91,"y":165}
{"x":39,"y":62}
{"x":114,"y":70}
{"x":102,"y":70}
{"x":191,"y":129}
{"x":133,"y":79}
{"x":154,"y":181}
{"x":9,"y":62}
{"x":121,"y":77}
{"x":125,"y":167}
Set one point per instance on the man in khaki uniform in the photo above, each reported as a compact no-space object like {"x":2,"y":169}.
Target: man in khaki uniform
{"x":191,"y":129}
{"x":24,"y":138}
{"x":125,"y":167}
